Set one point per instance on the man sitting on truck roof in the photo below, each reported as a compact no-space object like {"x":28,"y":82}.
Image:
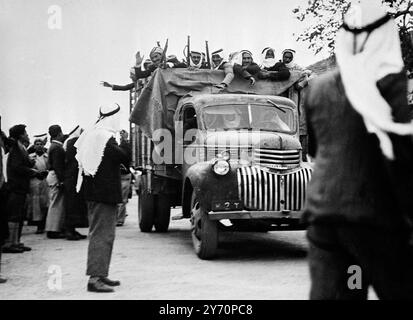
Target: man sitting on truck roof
{"x":271,"y":68}
{"x":218,"y":63}
{"x":244,"y":66}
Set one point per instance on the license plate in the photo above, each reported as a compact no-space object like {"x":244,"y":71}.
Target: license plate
{"x":226,"y":205}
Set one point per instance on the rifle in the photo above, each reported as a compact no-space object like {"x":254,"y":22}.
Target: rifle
{"x":163,"y":59}
{"x":207,"y":55}
{"x":188,"y":51}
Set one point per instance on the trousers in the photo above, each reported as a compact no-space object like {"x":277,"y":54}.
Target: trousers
{"x":384,"y":259}
{"x":125,"y":182}
{"x":102,"y":226}
{"x":56,"y":212}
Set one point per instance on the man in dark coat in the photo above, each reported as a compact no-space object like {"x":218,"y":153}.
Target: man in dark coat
{"x":75,"y":204}
{"x":126,"y":178}
{"x":55,"y":179}
{"x":359,"y":203}
{"x":19,"y":172}
{"x":102,"y":190}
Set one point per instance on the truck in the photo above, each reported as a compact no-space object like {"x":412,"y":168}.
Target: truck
{"x":232,"y":159}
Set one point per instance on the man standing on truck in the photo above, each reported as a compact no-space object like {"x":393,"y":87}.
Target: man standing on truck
{"x":99,"y":157}
{"x":359,"y":200}
{"x":126,"y":178}
{"x":55,"y":179}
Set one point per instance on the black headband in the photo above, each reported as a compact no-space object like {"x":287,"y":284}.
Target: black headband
{"x":104,"y":115}
{"x":370,"y":27}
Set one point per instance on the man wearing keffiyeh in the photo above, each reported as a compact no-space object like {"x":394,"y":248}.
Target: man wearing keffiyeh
{"x":359,"y":201}
{"x":100,"y":157}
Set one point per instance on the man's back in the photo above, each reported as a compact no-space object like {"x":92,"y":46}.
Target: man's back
{"x":56,"y":155}
{"x":350,"y":181}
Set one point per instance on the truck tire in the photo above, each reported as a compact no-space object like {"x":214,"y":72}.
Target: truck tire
{"x":146,"y":211}
{"x":162,"y":212}
{"x":204,"y":231}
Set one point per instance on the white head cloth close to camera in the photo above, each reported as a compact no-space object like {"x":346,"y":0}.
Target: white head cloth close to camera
{"x":362,"y":66}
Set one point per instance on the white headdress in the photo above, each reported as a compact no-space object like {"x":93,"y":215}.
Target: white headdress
{"x":91,"y":143}
{"x":366,"y":57}
{"x":191,"y":63}
{"x":267,"y":62}
{"x":73,"y":134}
{"x":221,"y":54}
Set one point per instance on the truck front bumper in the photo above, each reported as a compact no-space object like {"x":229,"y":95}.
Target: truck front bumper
{"x":246,"y":214}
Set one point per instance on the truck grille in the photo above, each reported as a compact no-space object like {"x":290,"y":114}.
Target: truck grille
{"x":277,"y":159}
{"x":267,"y":191}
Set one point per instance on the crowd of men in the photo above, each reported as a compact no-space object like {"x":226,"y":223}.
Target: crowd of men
{"x":38,"y":185}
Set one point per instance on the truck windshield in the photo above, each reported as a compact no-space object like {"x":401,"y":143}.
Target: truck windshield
{"x":251,"y":116}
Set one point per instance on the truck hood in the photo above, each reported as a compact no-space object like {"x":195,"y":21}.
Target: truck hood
{"x":255,"y":139}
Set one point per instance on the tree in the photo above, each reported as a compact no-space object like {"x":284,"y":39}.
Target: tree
{"x":326,"y":17}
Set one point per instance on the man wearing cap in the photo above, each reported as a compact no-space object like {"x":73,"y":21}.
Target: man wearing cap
{"x":38,"y":199}
{"x":55,"y":179}
{"x":359,"y":201}
{"x":100,"y":157}
{"x":75,"y":204}
{"x":43,"y":138}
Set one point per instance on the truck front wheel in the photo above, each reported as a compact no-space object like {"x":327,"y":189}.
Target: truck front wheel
{"x":146,"y":212}
{"x":203,"y":230}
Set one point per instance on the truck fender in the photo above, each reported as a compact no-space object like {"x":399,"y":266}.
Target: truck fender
{"x":192,"y":180}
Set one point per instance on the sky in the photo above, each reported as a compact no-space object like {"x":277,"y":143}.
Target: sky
{"x":54,"y":54}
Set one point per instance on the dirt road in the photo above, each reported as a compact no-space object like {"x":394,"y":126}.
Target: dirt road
{"x":259,"y":266}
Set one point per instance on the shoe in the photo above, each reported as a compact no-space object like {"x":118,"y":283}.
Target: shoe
{"x":119,"y":224}
{"x":55,"y":235}
{"x":2,"y":280}
{"x":81,"y":236}
{"x":72,"y":236}
{"x":111,"y":283}
{"x":12,"y":249}
{"x":23,"y":247}
{"x":98,"y":286}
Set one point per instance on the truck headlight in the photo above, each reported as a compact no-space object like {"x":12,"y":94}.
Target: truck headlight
{"x":221,"y":167}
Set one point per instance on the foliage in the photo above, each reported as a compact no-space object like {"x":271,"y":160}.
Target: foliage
{"x":326,"y":17}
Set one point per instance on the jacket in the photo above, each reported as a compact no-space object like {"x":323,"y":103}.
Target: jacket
{"x":352,"y":181}
{"x":19,"y":170}
{"x":105,"y":186}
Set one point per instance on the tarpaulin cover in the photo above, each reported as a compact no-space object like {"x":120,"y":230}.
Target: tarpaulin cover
{"x":155,"y":107}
